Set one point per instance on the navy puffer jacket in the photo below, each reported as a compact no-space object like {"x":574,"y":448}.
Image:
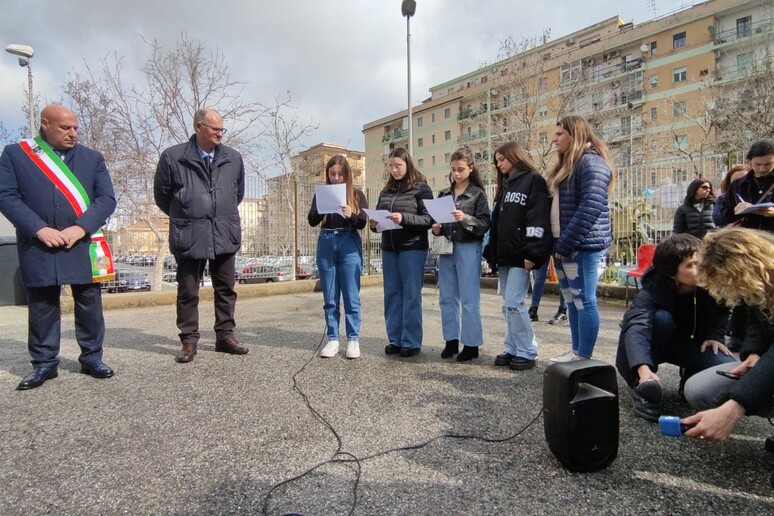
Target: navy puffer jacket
{"x":584,"y":216}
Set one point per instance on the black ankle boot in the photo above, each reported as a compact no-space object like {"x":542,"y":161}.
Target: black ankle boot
{"x":468,"y":353}
{"x":451,"y":349}
{"x":533,"y":316}
{"x":560,"y":317}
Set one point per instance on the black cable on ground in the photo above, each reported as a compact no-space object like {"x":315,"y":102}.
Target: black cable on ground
{"x":342,"y":457}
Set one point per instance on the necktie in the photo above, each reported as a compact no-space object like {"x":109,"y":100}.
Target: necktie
{"x":208,"y":163}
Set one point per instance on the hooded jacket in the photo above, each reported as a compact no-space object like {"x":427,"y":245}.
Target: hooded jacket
{"x":202,"y":207}
{"x":521,"y":222}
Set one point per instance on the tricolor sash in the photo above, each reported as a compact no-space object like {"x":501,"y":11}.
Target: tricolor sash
{"x":52,"y":166}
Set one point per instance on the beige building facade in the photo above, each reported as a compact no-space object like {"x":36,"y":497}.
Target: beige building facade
{"x":651,"y":91}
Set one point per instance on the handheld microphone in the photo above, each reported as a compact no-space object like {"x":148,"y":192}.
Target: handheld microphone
{"x":670,"y":426}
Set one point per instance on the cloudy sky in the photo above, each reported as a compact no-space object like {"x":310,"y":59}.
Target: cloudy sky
{"x":343,"y":61}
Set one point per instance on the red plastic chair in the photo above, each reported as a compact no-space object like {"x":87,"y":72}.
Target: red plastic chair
{"x":644,"y":260}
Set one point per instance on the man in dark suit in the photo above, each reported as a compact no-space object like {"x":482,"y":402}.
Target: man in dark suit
{"x":200,"y":184}
{"x":57,"y":194}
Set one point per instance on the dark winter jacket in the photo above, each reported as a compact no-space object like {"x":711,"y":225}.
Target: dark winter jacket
{"x":521,"y":222}
{"x":416,"y":221}
{"x":584,"y":218}
{"x":336,"y":221}
{"x":754,"y":390}
{"x":697,"y":317}
{"x":475,"y":223}
{"x":202,"y":207}
{"x":692,"y":221}
{"x":753,"y":192}
{"x":31,"y":202}
{"x":717,"y":212}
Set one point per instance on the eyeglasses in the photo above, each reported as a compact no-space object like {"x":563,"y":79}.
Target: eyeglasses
{"x":219,"y":130}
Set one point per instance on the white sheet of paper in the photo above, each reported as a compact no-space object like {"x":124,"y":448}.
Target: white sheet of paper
{"x":382,"y":222}
{"x":329,"y":198}
{"x":755,"y":208}
{"x":440,"y":209}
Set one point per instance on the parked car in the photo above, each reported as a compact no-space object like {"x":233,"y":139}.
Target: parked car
{"x":258,"y":273}
{"x":170,"y":263}
{"x":127,"y":280}
{"x":170,"y":277}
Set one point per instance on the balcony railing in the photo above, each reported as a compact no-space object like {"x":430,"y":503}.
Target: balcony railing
{"x":739,"y":33}
{"x":396,"y":134}
{"x":473,"y":136}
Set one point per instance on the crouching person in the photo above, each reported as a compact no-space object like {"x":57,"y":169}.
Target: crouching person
{"x":737,"y":265}
{"x":672,"y":320}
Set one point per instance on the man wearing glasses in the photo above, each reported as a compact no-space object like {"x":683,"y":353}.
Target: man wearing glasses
{"x":200,"y":184}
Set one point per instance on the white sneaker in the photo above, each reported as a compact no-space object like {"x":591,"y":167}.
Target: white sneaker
{"x":330,"y":349}
{"x":353,"y":349}
{"x":570,"y":356}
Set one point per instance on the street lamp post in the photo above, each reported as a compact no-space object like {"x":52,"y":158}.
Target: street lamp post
{"x":407,"y":9}
{"x":25,"y":53}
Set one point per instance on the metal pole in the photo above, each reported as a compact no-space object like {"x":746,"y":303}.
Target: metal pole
{"x":631,"y":141}
{"x":408,"y":61}
{"x":30,"y":101}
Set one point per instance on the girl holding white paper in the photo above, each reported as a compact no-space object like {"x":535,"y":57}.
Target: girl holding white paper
{"x":404,"y":252}
{"x":459,"y":273}
{"x":340,"y":259}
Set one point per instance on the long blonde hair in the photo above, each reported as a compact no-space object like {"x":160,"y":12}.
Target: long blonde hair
{"x":582,"y":138}
{"x":737,"y":264}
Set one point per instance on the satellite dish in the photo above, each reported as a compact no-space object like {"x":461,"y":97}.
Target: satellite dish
{"x":644,"y":48}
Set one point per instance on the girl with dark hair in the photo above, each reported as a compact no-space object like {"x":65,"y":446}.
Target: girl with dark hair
{"x":459,"y":273}
{"x":519,"y":241}
{"x":580,"y":182}
{"x":736,"y":172}
{"x":340,"y":259}
{"x":694,"y":216}
{"x":670,"y":321}
{"x":404,"y":252}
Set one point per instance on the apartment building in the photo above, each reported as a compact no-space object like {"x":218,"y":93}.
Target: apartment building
{"x":652,"y":91}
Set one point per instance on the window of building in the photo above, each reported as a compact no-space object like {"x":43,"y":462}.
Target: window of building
{"x":432,"y":117}
{"x":654,"y":113}
{"x":420,"y":122}
{"x":679,"y":74}
{"x":484,"y":78}
{"x":744,"y":63}
{"x":447,"y":113}
{"x":542,"y":83}
{"x":626,"y":124}
{"x":543,"y":138}
{"x":679,"y":108}
{"x":571,"y":71}
{"x":420,"y":163}
{"x":432,"y":137}
{"x":420,"y":142}
{"x":744,"y":27}
{"x":433,"y":160}
{"x":447,"y":135}
{"x":543,"y":110}
{"x":505,"y":124}
{"x":653,"y":48}
{"x":654,"y":81}
{"x":679,"y":40}
{"x":681,"y":142}
{"x":506,"y":100}
{"x":446,"y":157}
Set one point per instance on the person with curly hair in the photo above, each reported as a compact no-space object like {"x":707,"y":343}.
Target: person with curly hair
{"x":737,"y":265}
{"x":694,"y":216}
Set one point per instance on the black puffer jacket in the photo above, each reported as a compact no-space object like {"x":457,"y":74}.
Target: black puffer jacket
{"x":202,"y":208}
{"x":521,"y":222}
{"x":416,"y":220}
{"x":692,"y":221}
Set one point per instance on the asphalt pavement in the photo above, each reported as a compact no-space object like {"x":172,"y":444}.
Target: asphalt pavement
{"x":234,"y":434}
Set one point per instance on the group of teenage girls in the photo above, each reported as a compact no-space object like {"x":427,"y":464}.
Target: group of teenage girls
{"x":565,"y":213}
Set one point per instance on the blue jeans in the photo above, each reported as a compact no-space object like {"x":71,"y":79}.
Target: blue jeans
{"x":664,"y":348}
{"x":340,"y":264}
{"x":459,"y":281}
{"x":578,"y":277}
{"x":519,"y":337}
{"x":538,"y":282}
{"x":403,"y":276}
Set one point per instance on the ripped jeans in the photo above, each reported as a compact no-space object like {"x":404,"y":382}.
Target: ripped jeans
{"x":578,"y":277}
{"x":519,"y":337}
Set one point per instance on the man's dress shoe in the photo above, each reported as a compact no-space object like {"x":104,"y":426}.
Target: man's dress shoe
{"x":97,"y":369}
{"x":37,"y":378}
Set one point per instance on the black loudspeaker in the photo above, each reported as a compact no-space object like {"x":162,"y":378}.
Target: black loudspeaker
{"x":580,"y":404}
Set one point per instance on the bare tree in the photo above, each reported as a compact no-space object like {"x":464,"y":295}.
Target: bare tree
{"x":133,"y":123}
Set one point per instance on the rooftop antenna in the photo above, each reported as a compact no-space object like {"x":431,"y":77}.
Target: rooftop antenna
{"x":653,"y":8}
